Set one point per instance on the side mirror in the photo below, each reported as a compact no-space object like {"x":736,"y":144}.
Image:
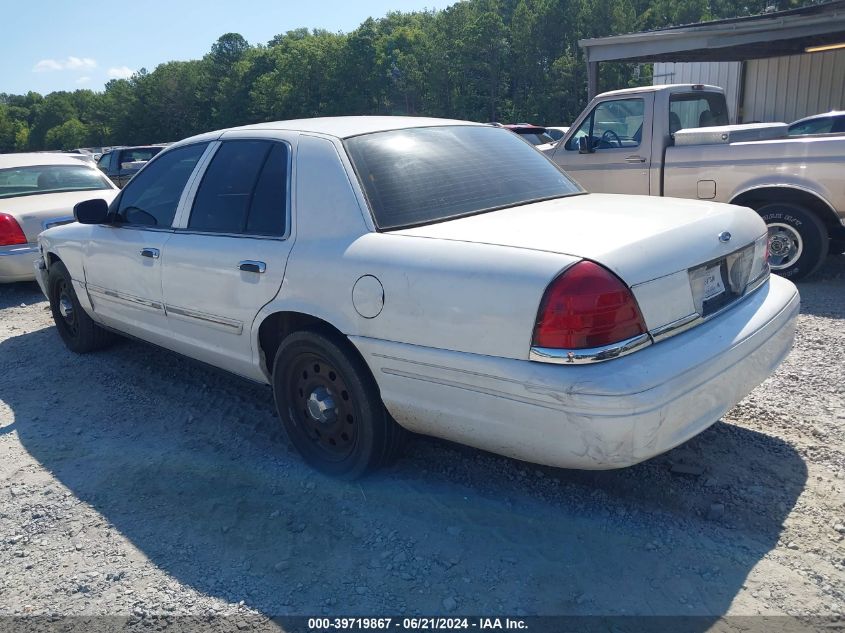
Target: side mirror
{"x":91,"y":211}
{"x":585,"y":145}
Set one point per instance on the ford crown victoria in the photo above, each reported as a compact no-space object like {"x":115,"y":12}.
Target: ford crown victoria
{"x":384,"y":274}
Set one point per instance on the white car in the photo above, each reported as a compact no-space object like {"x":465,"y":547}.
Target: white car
{"x":556,"y":133}
{"x":438,"y":276}
{"x":38,"y":191}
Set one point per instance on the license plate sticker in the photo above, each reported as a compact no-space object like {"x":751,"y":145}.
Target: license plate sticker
{"x":713,"y":284}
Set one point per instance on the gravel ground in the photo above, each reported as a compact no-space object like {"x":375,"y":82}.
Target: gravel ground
{"x":140,"y":484}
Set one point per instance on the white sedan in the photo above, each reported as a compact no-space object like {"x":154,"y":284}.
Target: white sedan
{"x":443,"y":277}
{"x":38,"y":191}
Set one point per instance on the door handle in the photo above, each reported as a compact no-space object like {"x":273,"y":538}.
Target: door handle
{"x":152,"y":253}
{"x":252,"y":266}
{"x":634,"y":159}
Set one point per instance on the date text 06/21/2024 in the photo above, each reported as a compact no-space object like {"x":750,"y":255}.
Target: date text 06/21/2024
{"x":419,"y":623}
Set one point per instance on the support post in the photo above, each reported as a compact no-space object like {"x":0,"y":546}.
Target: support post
{"x":592,"y":79}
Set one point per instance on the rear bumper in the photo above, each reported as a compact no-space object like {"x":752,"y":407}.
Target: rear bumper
{"x":16,"y":262}
{"x":607,"y":415}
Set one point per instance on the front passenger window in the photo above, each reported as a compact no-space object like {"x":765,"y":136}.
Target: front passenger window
{"x":151,"y":197}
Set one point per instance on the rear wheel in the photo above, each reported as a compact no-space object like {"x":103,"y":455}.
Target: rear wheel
{"x":331,"y":407}
{"x":78,"y":331}
{"x":798,"y":240}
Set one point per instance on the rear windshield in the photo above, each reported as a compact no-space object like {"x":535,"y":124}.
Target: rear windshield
{"x":697,"y":109}
{"x":425,"y":175}
{"x":38,"y":179}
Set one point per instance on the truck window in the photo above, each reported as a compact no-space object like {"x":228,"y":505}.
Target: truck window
{"x":701,"y":109}
{"x":612,"y":125}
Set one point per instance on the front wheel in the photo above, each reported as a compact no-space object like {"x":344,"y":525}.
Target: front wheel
{"x":331,"y":407}
{"x":78,"y":330}
{"x":798,"y":240}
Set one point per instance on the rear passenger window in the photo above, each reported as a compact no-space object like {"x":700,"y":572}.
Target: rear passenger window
{"x":244,"y":190}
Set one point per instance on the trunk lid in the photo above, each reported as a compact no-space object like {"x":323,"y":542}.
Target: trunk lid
{"x":36,"y":212}
{"x":640,"y":238}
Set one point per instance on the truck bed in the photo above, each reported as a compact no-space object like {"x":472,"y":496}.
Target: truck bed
{"x":721,"y":172}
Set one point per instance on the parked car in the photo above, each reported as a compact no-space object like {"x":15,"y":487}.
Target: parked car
{"x":412,"y":283}
{"x":534,"y":134}
{"x":673,"y":140}
{"x":556,"y":132}
{"x":827,"y":123}
{"x":121,"y":163}
{"x":82,"y":155}
{"x":38,"y":191}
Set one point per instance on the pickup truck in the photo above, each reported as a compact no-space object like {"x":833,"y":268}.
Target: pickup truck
{"x":121,"y":163}
{"x":639,"y":141}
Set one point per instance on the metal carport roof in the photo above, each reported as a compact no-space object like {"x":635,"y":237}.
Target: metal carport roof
{"x":753,"y":37}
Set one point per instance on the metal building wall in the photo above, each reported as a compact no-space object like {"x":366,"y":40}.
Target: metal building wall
{"x":789,"y":88}
{"x":723,"y":74}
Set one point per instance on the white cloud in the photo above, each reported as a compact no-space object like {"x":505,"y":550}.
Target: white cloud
{"x":70,"y":63}
{"x":83,"y":80}
{"x":120,"y":72}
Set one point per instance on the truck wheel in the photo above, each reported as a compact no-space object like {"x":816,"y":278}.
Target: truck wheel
{"x":331,"y":407}
{"x":78,"y":331}
{"x":837,"y":247}
{"x":798,"y":240}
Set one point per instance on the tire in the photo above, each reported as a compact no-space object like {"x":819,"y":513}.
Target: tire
{"x":837,"y":247}
{"x":798,"y":240}
{"x":331,"y":407}
{"x":78,"y":331}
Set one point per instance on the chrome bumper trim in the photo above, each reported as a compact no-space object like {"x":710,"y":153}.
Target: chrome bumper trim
{"x":592,"y":355}
{"x":22,"y":250}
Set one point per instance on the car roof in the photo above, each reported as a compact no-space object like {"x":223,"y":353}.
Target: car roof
{"x":524,"y":127}
{"x":340,"y":126}
{"x":820,"y":115}
{"x":672,"y":88}
{"x":29,"y":159}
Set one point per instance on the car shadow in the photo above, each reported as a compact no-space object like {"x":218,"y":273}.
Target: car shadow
{"x":19,"y":292}
{"x":190,"y":466}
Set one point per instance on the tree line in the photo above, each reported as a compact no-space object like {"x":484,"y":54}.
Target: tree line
{"x":482,"y":60}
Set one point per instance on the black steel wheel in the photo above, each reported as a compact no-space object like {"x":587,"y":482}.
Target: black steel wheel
{"x":78,"y":331}
{"x":331,"y":407}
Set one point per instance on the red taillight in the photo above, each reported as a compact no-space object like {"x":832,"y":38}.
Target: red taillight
{"x":10,"y":231}
{"x":587,"y":306}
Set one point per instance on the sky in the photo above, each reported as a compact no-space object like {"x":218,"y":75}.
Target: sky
{"x":48,"y":45}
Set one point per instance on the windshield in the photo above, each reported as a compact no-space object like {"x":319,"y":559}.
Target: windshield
{"x":38,"y":179}
{"x":138,"y":154}
{"x":536,"y":138}
{"x":820,"y":125}
{"x":424,"y":175}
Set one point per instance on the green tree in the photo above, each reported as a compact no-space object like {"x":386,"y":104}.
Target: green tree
{"x":69,"y":135}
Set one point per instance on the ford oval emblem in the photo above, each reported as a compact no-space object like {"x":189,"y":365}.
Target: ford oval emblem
{"x":724,"y":237}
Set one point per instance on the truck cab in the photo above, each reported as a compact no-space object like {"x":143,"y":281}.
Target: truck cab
{"x":625,"y":134}
{"x":676,"y":141}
